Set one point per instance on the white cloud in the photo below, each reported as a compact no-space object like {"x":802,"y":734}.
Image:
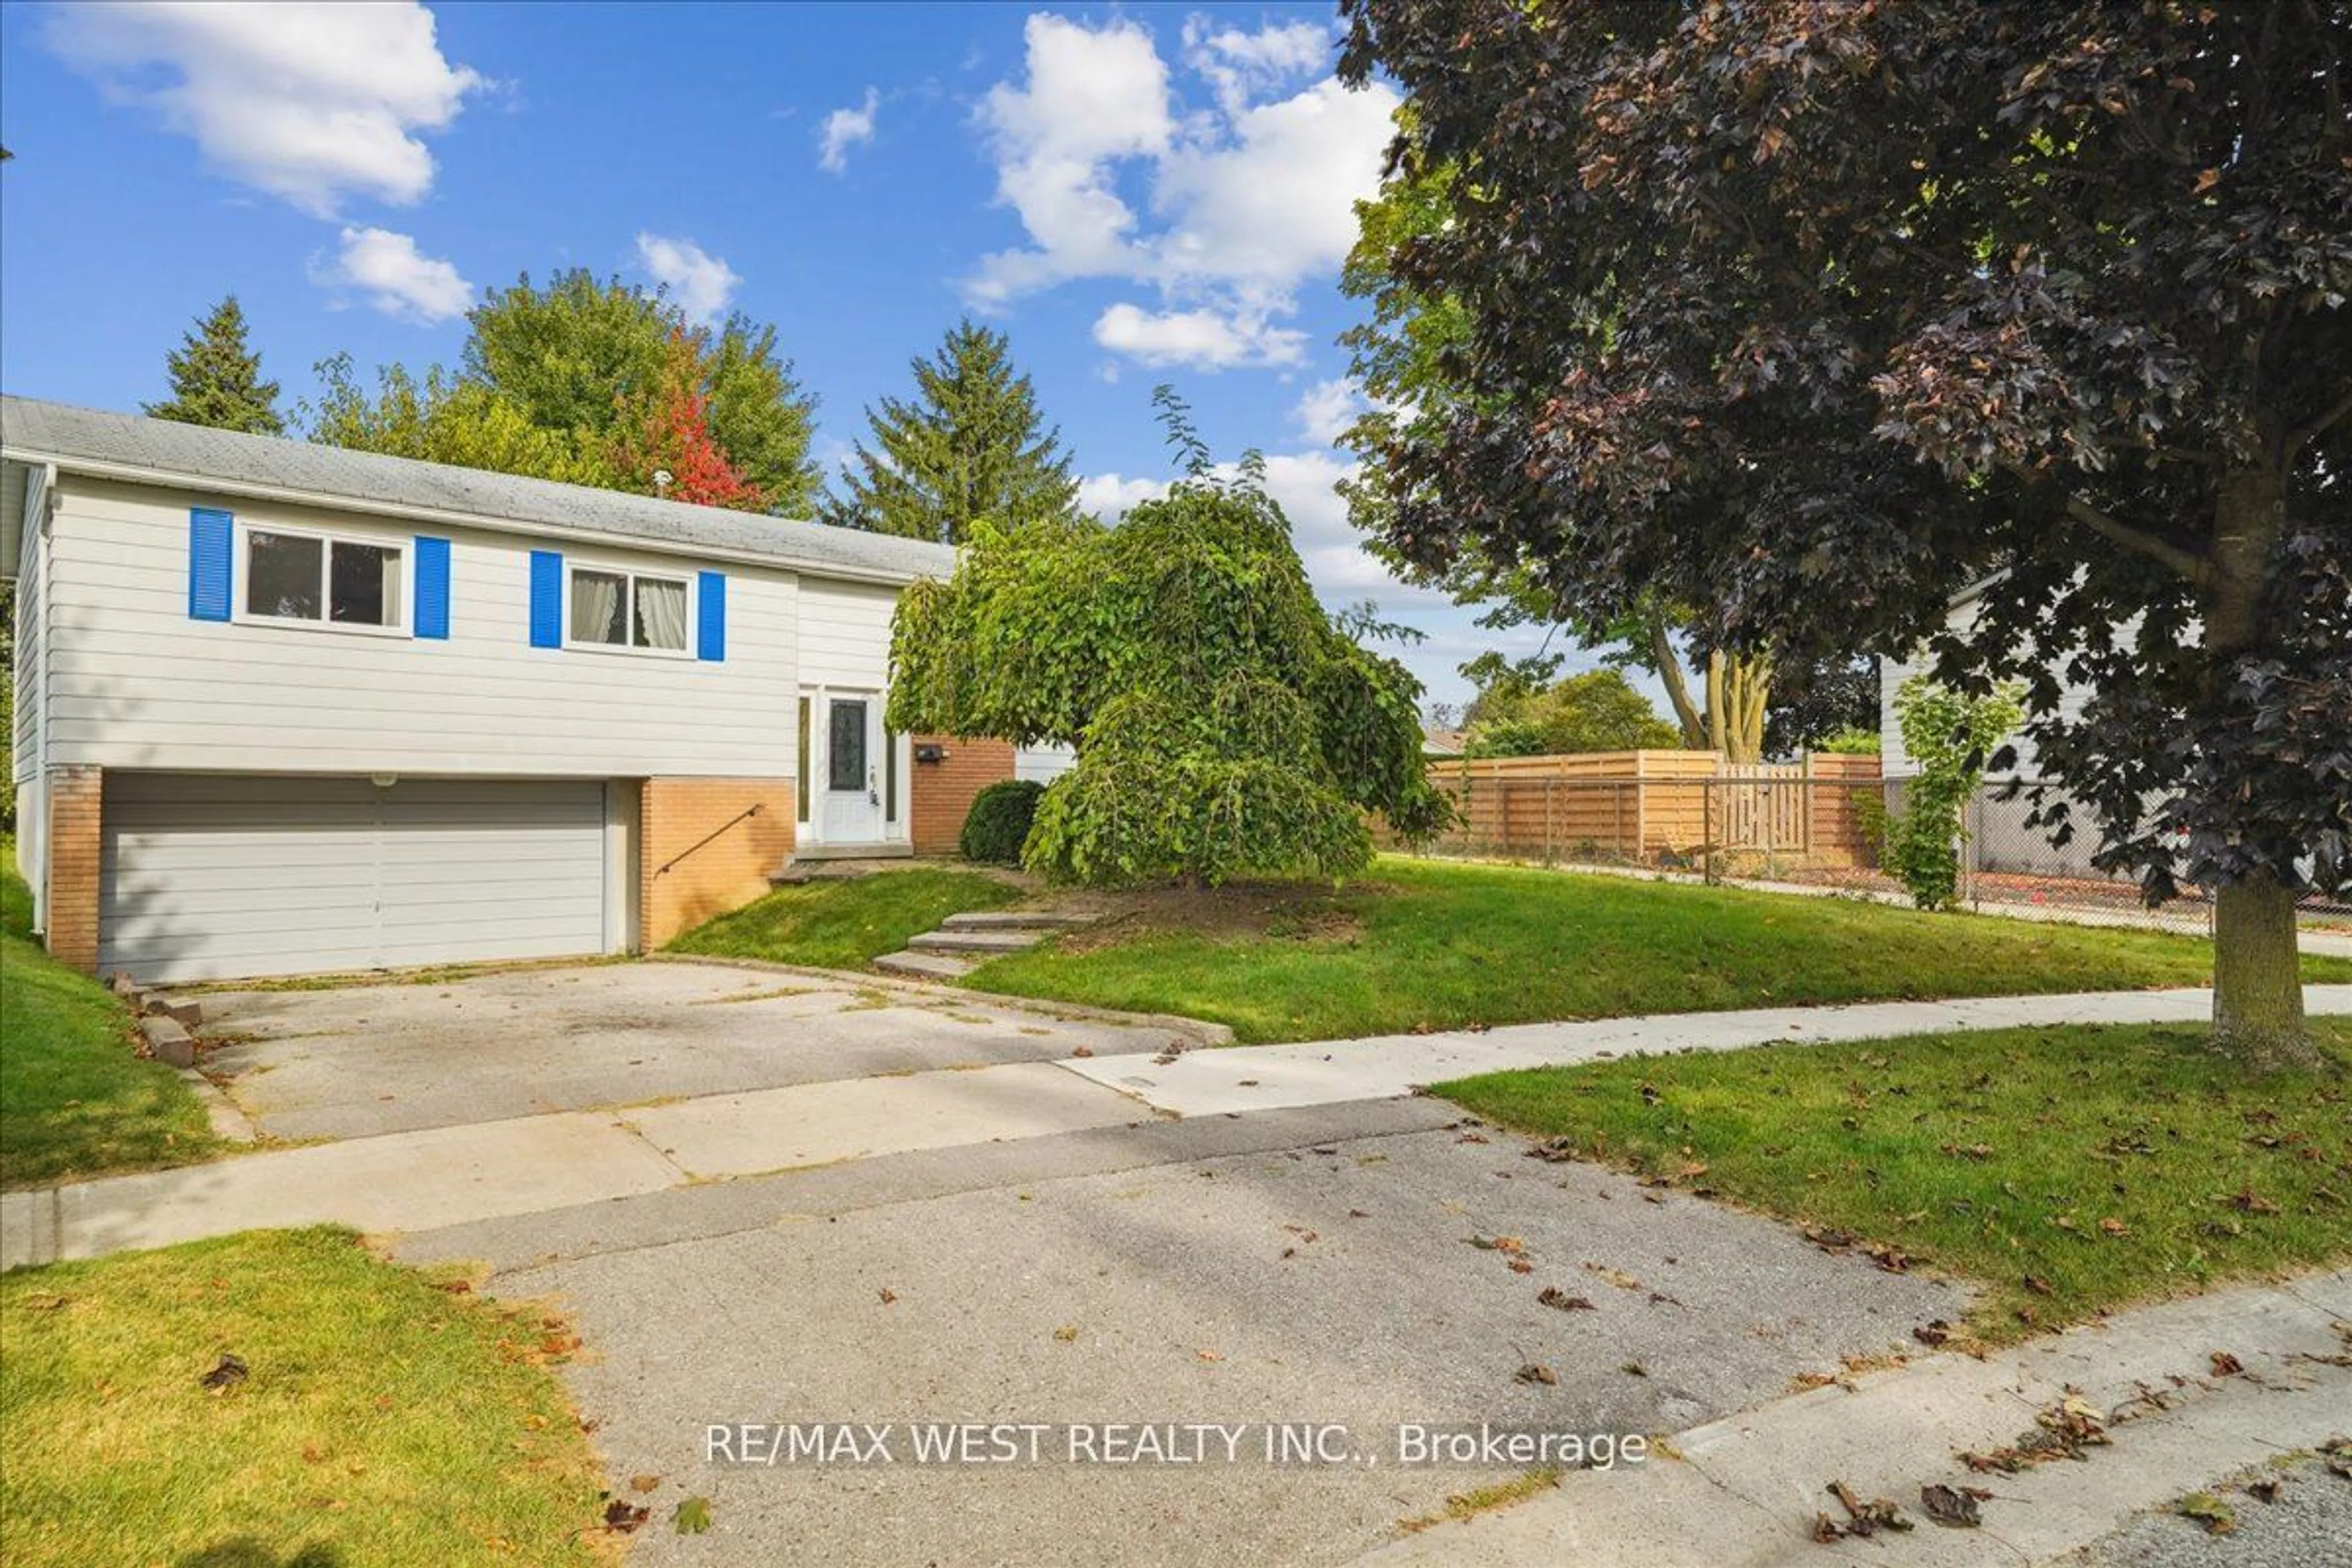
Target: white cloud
{"x":1203,"y":339}
{"x":1108,"y":495}
{"x":1327,"y":409}
{"x":309,"y":103}
{"x":700,"y":282}
{"x":397,"y":278}
{"x":1242,"y":201}
{"x":1241,"y":66}
{"x":1094,"y":96}
{"x":844,"y":129}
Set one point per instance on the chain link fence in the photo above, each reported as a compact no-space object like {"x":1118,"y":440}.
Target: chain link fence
{"x":1773,"y":824}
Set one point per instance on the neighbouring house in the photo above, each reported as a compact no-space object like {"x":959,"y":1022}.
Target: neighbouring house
{"x":1999,"y":836}
{"x":284,"y":709}
{"x":1439,"y":742}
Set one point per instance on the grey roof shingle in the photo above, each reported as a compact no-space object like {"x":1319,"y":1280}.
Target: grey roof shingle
{"x":32,"y":431}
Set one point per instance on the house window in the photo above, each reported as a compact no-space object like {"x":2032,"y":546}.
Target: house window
{"x":621,"y":609}
{"x":324,"y":580}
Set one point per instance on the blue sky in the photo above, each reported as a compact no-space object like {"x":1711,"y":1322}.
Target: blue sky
{"x":1135,"y":195}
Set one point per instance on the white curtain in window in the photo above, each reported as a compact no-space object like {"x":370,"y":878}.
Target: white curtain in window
{"x":661,"y":613}
{"x":595,"y":608}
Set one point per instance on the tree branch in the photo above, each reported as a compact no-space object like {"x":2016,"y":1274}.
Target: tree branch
{"x":2304,"y":435}
{"x":2190,"y":564}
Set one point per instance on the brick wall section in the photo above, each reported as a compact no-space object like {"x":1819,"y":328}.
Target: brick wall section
{"x":939,"y":794}
{"x":76,"y":798}
{"x":708,"y":879}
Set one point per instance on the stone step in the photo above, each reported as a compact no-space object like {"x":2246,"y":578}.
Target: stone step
{"x":924,"y":965}
{"x":1017,"y":920}
{"x":167,"y":1041}
{"x":974,"y":940}
{"x":799,"y":873}
{"x":185,"y":1011}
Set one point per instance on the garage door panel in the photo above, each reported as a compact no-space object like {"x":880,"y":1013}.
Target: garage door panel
{"x":218,"y":876}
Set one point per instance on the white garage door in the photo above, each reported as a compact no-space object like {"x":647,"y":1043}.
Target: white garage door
{"x":214,"y":877}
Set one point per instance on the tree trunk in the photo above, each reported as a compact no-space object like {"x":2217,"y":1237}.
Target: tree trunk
{"x":1714,"y":713}
{"x":2257,"y":989}
{"x":2257,"y":986}
{"x":1670,"y":671}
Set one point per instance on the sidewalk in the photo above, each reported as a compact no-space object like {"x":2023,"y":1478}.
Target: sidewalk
{"x":451,"y":1175}
{"x":1744,"y":1492}
{"x":1324,"y":1072}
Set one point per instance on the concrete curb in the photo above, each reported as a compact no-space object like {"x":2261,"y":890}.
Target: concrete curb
{"x":1198,"y":1030}
{"x":1746,"y":1488}
{"x":228,"y":1120}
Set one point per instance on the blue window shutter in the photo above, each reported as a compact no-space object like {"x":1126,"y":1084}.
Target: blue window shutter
{"x":546,"y":599}
{"x":432,"y":587}
{"x":710,"y":615}
{"x":212,"y":547}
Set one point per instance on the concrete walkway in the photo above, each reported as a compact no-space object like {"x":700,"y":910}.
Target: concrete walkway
{"x":448,"y":1176}
{"x":1267,"y":1078}
{"x":1744,"y":1492}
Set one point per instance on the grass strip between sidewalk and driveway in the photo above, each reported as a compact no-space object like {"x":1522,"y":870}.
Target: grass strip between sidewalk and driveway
{"x":2068,"y":1171}
{"x":849,"y":924}
{"x":385,"y":1416}
{"x":1424,"y":945}
{"x":75,"y":1099}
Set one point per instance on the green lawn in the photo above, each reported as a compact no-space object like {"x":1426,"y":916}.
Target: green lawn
{"x":74,"y":1101}
{"x":845,"y":924}
{"x":1451,"y":945}
{"x":2068,"y":1170}
{"x":384,"y":1418}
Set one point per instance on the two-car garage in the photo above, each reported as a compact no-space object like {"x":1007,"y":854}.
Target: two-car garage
{"x":219,"y":876}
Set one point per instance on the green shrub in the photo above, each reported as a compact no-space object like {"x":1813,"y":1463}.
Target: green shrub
{"x":1853,"y":743}
{"x":1948,"y":736}
{"x":998,"y":824}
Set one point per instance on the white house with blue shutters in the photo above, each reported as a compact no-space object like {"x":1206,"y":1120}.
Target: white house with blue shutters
{"x":281,"y":708}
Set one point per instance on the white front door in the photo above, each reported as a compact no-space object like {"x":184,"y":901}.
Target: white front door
{"x":850,"y":793}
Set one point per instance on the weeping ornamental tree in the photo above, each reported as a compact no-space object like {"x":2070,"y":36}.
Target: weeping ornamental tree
{"x":1813,"y":314}
{"x":1224,"y":726}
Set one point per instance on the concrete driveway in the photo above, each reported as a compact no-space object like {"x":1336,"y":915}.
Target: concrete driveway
{"x":359,"y":1061}
{"x":1311,"y":1266}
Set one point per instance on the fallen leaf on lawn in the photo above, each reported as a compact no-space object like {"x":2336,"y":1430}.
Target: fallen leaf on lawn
{"x":1617,"y":1277}
{"x":2251,"y":1202}
{"x":1067,"y":1332}
{"x":2115,"y":1226}
{"x":2225,"y":1364}
{"x":1521,"y":1266}
{"x":1536,"y":1372}
{"x":1359,"y":1213}
{"x":623,"y":1516}
{"x":1553,"y":1296}
{"x":2038,"y":1285}
{"x":1934,"y":1333}
{"x":644,"y":1483}
{"x":1634,"y":1369}
{"x":2262,"y":1491}
{"x":1210,"y":1356}
{"x":1555,"y":1150}
{"x":1955,"y":1506}
{"x":1083,"y":1051}
{"x":231,"y":1372}
{"x":691,"y":1517}
{"x":888,"y":1295}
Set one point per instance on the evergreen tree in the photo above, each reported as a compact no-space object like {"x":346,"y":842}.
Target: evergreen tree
{"x":967,"y":446}
{"x":216,"y":378}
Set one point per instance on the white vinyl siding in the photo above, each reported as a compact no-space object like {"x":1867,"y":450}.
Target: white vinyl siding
{"x":845,"y":634}
{"x":211,"y":876}
{"x":135,"y":683}
{"x":28,"y":698}
{"x":1042,"y":764}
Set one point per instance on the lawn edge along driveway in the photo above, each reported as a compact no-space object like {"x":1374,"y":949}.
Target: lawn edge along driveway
{"x":75,"y":1099}
{"x":2070,"y":1170}
{"x":1430,"y":945}
{"x":374,"y":1412}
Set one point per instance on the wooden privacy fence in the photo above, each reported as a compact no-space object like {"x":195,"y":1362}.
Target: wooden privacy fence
{"x":1660,"y":807}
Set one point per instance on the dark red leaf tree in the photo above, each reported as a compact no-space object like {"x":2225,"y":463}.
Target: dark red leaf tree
{"x":666,"y":427}
{"x":1815,"y":313}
